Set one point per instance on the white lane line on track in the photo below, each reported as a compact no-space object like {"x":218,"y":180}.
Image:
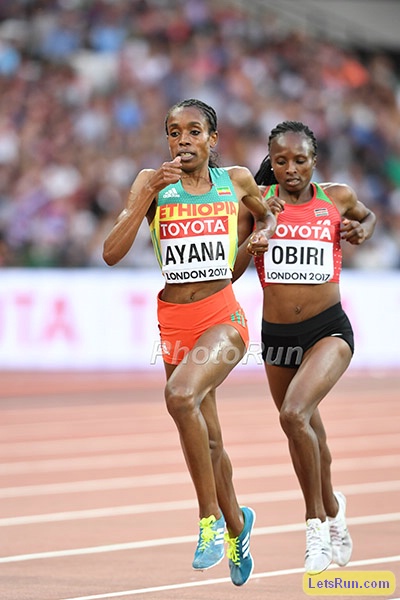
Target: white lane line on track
{"x":31,"y":443}
{"x":156,"y":543}
{"x":279,"y":448}
{"x":361,"y":463}
{"x":131,"y":459}
{"x":264,"y":575}
{"x":80,"y":445}
{"x":174,"y":505}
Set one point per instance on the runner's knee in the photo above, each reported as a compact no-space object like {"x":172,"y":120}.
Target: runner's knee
{"x":293,"y":421}
{"x":179,"y":399}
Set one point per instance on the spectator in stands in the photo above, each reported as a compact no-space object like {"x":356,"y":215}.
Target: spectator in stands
{"x":93,"y":81}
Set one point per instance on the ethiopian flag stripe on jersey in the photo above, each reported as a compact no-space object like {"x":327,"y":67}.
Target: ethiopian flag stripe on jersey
{"x":224,"y":191}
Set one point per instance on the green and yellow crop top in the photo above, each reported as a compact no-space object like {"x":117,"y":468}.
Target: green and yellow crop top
{"x":195,"y":236}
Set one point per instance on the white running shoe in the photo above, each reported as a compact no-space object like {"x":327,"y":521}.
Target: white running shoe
{"x":318,"y":546}
{"x":342,"y":544}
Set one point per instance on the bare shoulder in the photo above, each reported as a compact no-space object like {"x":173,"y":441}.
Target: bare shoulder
{"x":239,"y":174}
{"x":243,"y":182}
{"x":336,"y":188}
{"x":140,"y":183}
{"x":142,"y":178}
{"x":342,"y":194}
{"x":145,"y":174}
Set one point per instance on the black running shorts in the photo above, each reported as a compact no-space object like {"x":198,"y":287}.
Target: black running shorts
{"x":284,"y":345}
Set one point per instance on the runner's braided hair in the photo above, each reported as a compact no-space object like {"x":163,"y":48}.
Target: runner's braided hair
{"x":265,"y":174}
{"x":209,"y":114}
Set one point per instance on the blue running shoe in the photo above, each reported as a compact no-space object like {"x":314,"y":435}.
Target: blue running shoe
{"x":240,"y":560}
{"x":210,"y":547}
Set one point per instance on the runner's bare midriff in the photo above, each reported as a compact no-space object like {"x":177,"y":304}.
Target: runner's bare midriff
{"x":290,"y":303}
{"x":184,"y":293}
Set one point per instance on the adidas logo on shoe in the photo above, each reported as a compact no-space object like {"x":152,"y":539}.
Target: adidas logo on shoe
{"x":240,"y":560}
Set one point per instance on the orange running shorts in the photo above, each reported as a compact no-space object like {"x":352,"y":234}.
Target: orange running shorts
{"x":181,"y":325}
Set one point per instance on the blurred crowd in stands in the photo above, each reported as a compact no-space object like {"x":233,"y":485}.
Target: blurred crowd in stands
{"x":85,"y":86}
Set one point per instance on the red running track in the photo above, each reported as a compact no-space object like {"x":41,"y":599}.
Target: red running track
{"x":96,"y":502}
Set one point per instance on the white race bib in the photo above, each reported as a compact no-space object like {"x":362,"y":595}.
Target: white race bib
{"x":298,"y":261}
